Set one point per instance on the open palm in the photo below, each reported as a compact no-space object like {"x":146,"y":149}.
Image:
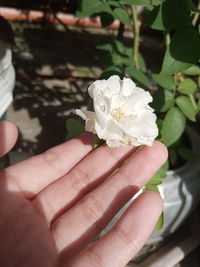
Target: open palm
{"x":54,"y":204}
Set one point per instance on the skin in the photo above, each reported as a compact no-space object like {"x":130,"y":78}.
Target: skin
{"x":54,"y":204}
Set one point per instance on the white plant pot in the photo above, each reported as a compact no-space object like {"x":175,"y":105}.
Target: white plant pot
{"x":7,"y":77}
{"x":181,"y":193}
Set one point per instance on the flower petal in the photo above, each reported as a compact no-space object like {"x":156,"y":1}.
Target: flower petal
{"x":89,"y":117}
{"x":128,"y":87}
{"x":113,"y":86}
{"x":110,"y":132}
{"x":137,"y":101}
{"x":143,"y":129}
{"x":97,"y":88}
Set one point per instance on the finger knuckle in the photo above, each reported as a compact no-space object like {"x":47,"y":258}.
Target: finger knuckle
{"x":92,"y":209}
{"x":52,"y":159}
{"x":95,"y":259}
{"x":110,"y":154}
{"x":125,"y":239}
{"x":126,"y":177}
{"x":79,"y":179}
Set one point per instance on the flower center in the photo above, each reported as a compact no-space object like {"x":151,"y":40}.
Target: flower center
{"x":117,"y":114}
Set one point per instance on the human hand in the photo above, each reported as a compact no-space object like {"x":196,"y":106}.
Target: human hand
{"x":54,"y":204}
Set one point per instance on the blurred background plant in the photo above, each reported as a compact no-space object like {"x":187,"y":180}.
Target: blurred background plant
{"x":174,"y":85}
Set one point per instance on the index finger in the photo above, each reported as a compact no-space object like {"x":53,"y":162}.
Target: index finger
{"x":34,"y":174}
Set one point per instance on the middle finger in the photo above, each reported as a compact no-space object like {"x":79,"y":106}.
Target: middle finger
{"x":86,"y":175}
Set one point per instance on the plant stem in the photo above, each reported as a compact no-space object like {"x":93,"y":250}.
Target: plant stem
{"x":196,"y":16}
{"x":136,"y":31}
{"x":167,"y":39}
{"x":176,"y":83}
{"x":193,"y":101}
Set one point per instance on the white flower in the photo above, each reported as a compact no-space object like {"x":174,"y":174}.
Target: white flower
{"x":121,"y":114}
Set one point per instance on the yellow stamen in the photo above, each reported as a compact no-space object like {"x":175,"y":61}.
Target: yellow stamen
{"x":117,"y":114}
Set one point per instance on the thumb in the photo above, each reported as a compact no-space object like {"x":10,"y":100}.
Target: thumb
{"x":8,"y":136}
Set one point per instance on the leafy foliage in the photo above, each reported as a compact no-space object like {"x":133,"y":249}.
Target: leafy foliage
{"x":185,"y":105}
{"x":182,"y":54}
{"x":164,"y":80}
{"x":166,"y":17}
{"x":174,"y":97}
{"x":74,"y":127}
{"x":138,"y":75}
{"x":173,"y":126}
{"x":187,"y":86}
{"x":160,"y":222}
{"x":122,"y":15}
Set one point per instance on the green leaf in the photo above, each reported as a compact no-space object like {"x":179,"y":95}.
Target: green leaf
{"x":88,"y":8}
{"x":171,"y":14}
{"x":106,"y":46}
{"x":185,"y":105}
{"x":106,"y":19}
{"x":161,"y":173}
{"x":97,"y":141}
{"x":187,"y":86}
{"x":129,"y":51}
{"x":171,"y":65}
{"x":160,"y":222}
{"x":117,"y":52}
{"x":192,"y":71}
{"x":156,"y":2}
{"x":74,"y":128}
{"x":198,"y":106}
{"x":163,"y":169}
{"x":192,"y":7}
{"x":173,"y":156}
{"x":173,"y":126}
{"x":112,"y":70}
{"x":138,"y":75}
{"x":106,"y":59}
{"x":151,"y":187}
{"x":162,"y":100}
{"x":122,"y":15}
{"x":142,"y":63}
{"x":146,"y":3}
{"x":199,"y":81}
{"x":169,"y":101}
{"x":159,"y":123}
{"x":118,"y":59}
{"x":155,"y":180}
{"x":158,"y":100}
{"x":114,"y":3}
{"x":136,"y":2}
{"x":182,"y":53}
{"x":120,"y":47}
{"x":187,"y":154}
{"x":165,"y":81}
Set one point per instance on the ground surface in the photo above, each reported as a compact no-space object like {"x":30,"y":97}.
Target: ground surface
{"x":46,"y":58}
